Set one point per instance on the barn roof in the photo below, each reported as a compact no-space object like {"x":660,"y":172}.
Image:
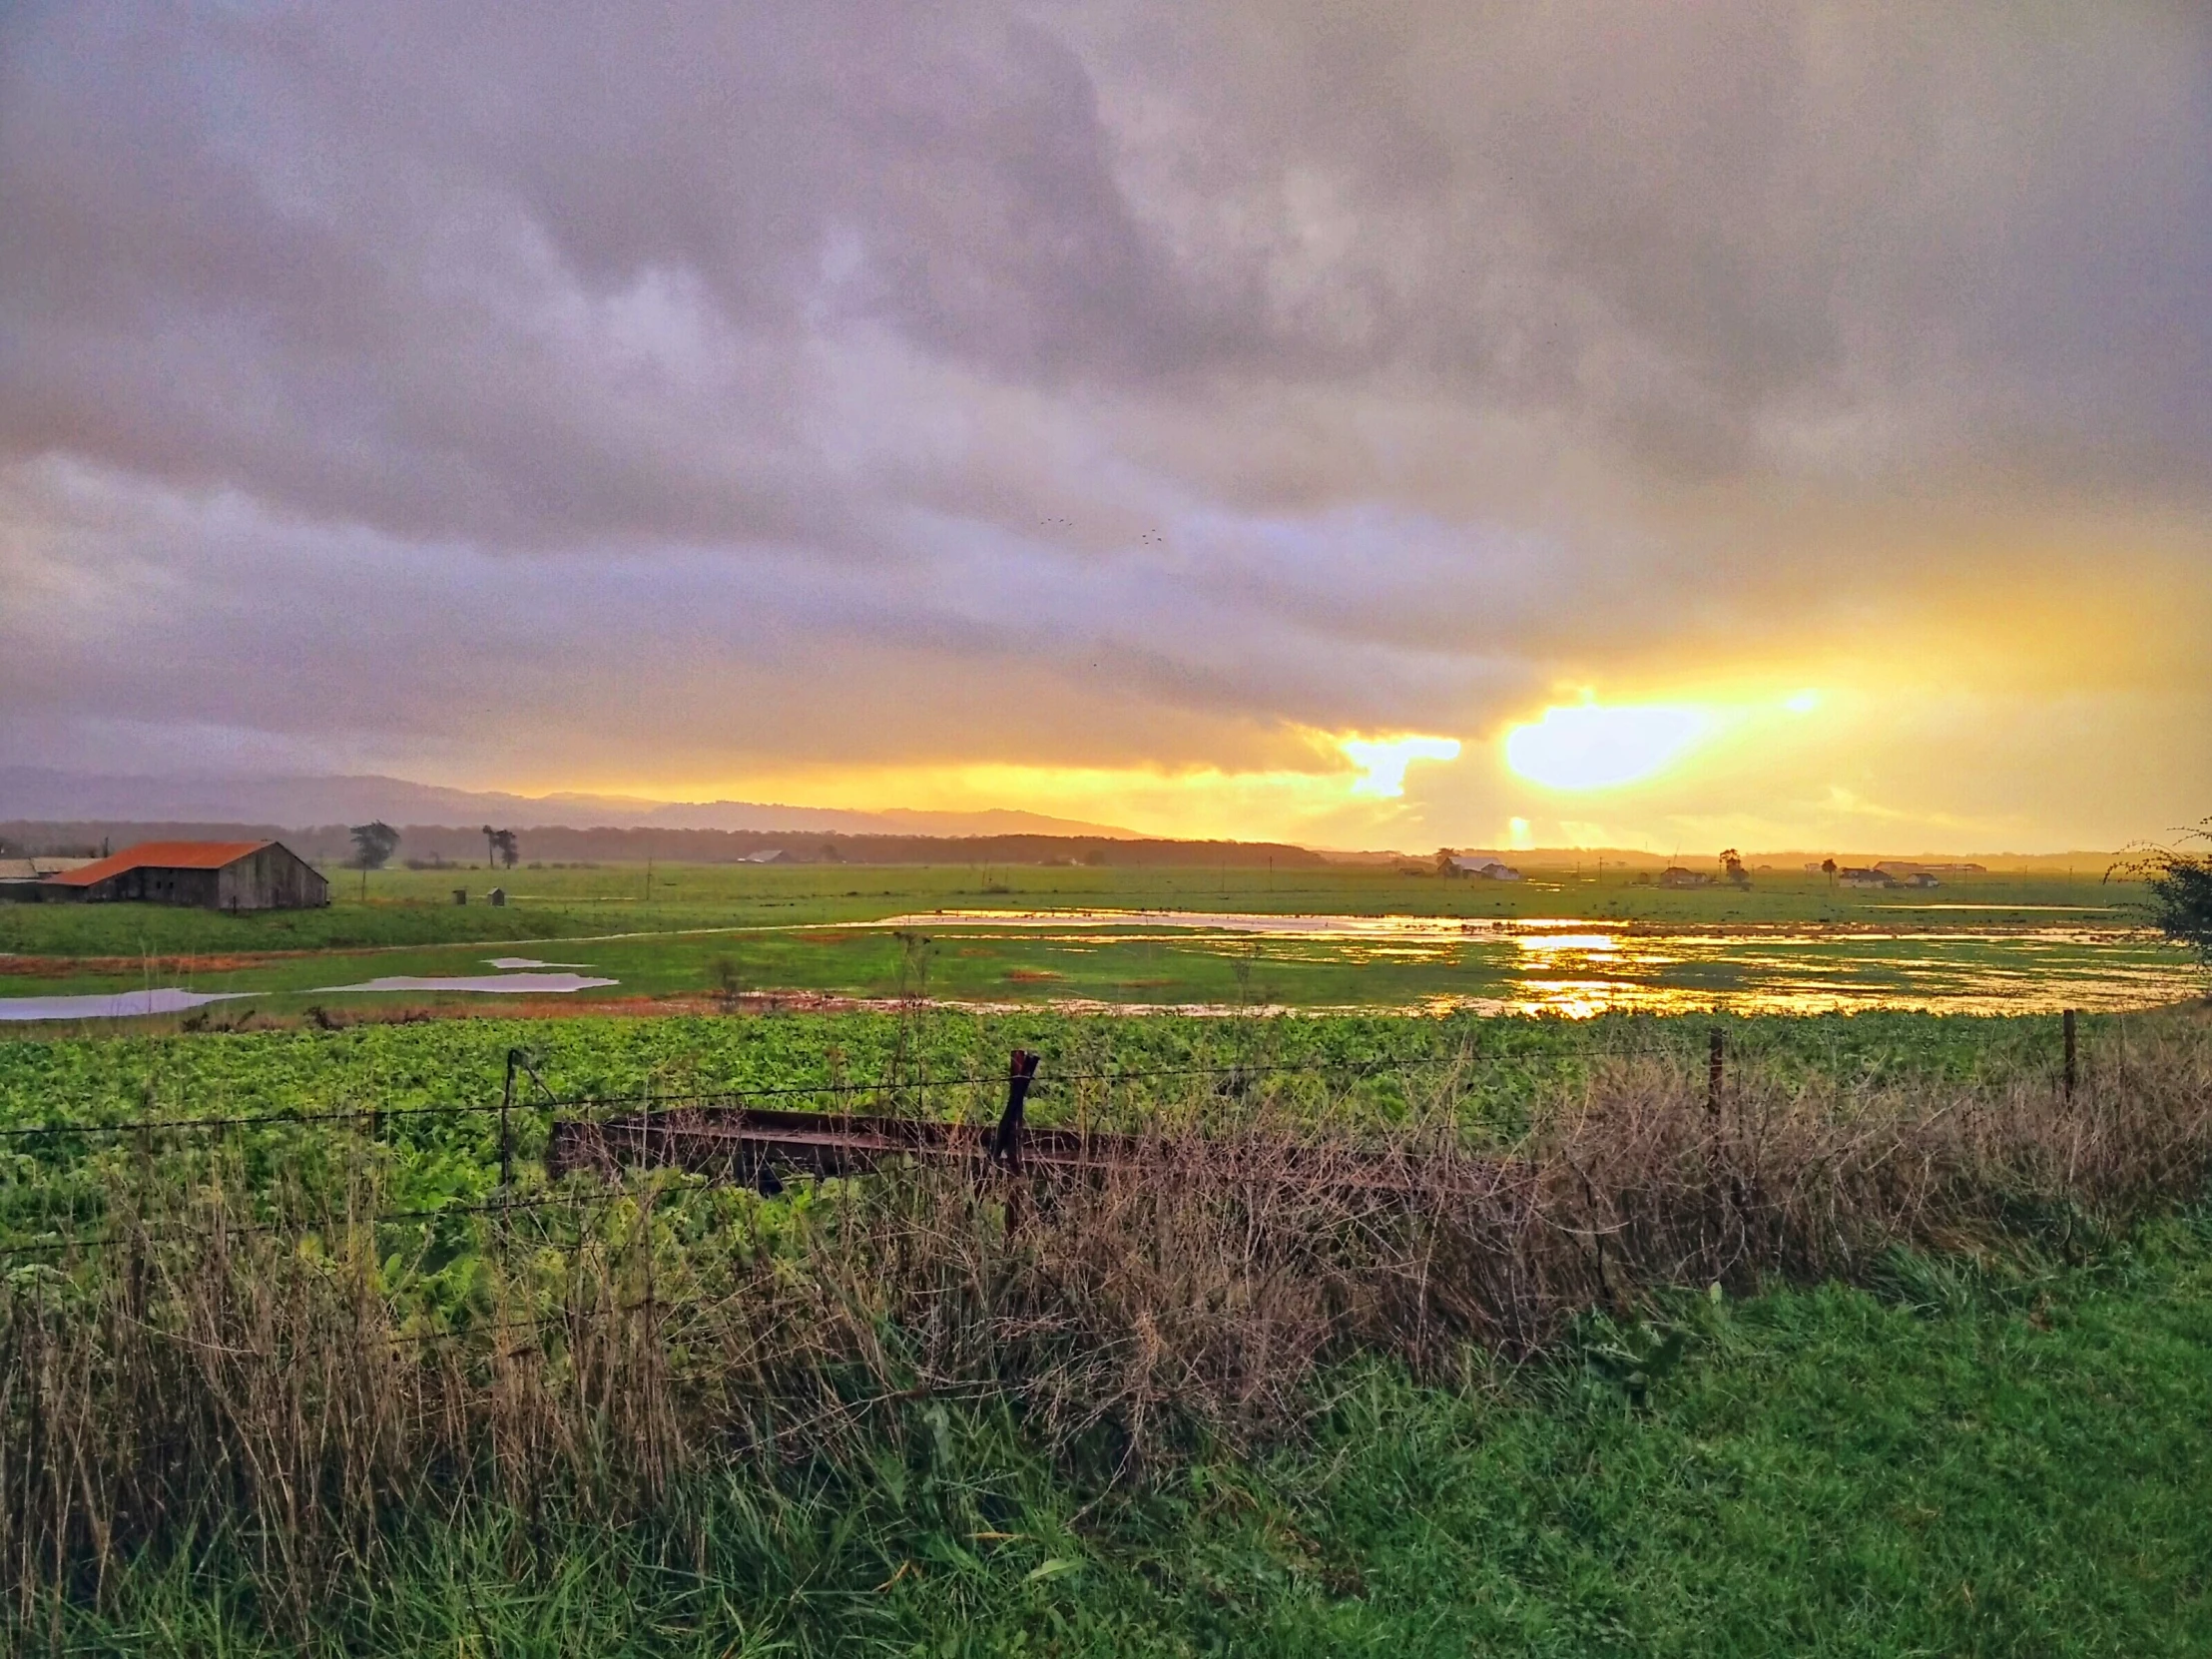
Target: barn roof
{"x":36,"y":867}
{"x":158,"y":855}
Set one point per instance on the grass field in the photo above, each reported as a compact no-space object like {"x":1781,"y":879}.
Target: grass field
{"x":1952,"y":1463}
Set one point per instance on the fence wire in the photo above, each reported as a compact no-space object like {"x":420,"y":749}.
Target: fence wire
{"x":658,"y":1103}
{"x":742,"y":1092}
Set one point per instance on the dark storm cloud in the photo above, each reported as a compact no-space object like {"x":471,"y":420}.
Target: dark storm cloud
{"x":1208,"y":367}
{"x":537,"y":277}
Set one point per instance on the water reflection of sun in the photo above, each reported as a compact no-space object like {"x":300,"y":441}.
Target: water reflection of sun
{"x":1544,"y":946}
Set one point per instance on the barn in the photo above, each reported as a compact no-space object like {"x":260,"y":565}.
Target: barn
{"x":214,"y":875}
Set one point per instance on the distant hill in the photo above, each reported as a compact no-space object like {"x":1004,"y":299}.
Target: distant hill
{"x":37,"y":795}
{"x":462,"y":844}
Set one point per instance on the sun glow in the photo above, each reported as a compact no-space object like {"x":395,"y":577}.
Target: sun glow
{"x":1383,"y":761}
{"x":1590,"y":746}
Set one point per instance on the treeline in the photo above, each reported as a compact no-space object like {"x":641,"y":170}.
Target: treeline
{"x":332,"y":845}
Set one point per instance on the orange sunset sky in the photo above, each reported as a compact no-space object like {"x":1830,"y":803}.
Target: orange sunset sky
{"x":1758,"y":424}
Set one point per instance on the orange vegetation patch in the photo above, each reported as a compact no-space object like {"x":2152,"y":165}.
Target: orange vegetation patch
{"x":73,"y":967}
{"x":1030,"y":976}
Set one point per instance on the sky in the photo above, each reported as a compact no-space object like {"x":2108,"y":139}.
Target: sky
{"x":1781,"y":425}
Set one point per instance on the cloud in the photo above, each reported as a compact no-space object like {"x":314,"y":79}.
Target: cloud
{"x":753,"y":388}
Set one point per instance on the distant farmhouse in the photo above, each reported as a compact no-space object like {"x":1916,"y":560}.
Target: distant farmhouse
{"x":1482,"y":867}
{"x":1674,"y":875}
{"x":1912,"y":875}
{"x":1854,"y":876}
{"x":214,"y":875}
{"x":1900,"y":871}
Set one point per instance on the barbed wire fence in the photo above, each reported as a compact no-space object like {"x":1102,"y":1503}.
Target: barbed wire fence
{"x":647,"y":1113}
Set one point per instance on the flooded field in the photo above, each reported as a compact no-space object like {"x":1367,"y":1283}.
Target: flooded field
{"x":1576,"y":967}
{"x":1124,"y":941}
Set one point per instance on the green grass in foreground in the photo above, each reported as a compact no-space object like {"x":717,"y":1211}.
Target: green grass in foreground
{"x":1955,"y":1467}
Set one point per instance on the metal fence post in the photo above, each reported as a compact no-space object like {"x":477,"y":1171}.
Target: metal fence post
{"x":2067,"y":1023}
{"x":1712,"y":1072}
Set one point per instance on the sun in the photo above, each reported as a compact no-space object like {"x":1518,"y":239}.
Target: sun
{"x":1591,"y":746}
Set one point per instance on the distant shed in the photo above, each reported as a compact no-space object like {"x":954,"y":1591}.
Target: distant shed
{"x":214,"y":875}
{"x":22,"y":877}
{"x":1481,"y":866}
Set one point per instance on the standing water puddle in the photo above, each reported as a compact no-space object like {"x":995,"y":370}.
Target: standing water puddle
{"x":168,"y":999}
{"x":1582,"y":965}
{"x":111,"y":1004}
{"x":507,"y":983}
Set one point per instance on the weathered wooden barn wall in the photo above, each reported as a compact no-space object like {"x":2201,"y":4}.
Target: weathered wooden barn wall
{"x":270,"y":879}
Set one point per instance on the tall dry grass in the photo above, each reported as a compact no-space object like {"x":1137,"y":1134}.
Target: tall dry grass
{"x":202,"y":1378}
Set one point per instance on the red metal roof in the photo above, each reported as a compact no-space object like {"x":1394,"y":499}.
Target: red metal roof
{"x":158,"y":855}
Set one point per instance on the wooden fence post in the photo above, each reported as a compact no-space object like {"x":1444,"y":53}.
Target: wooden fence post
{"x":2067,"y":1023}
{"x":506,"y":1139}
{"x":1712,"y":1072}
{"x":1005,"y":1147}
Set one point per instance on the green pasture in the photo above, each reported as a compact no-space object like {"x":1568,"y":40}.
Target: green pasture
{"x":414,"y":908}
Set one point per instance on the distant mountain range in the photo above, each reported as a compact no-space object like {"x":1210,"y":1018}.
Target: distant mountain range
{"x":36,"y":793}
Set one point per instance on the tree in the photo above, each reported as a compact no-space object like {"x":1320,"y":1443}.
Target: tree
{"x":500,"y":847}
{"x":1827,"y":868}
{"x":373,"y":845}
{"x":1732,"y":866}
{"x":2180,"y":884}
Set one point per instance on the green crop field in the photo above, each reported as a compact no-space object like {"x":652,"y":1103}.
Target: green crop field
{"x":438,"y":1143}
